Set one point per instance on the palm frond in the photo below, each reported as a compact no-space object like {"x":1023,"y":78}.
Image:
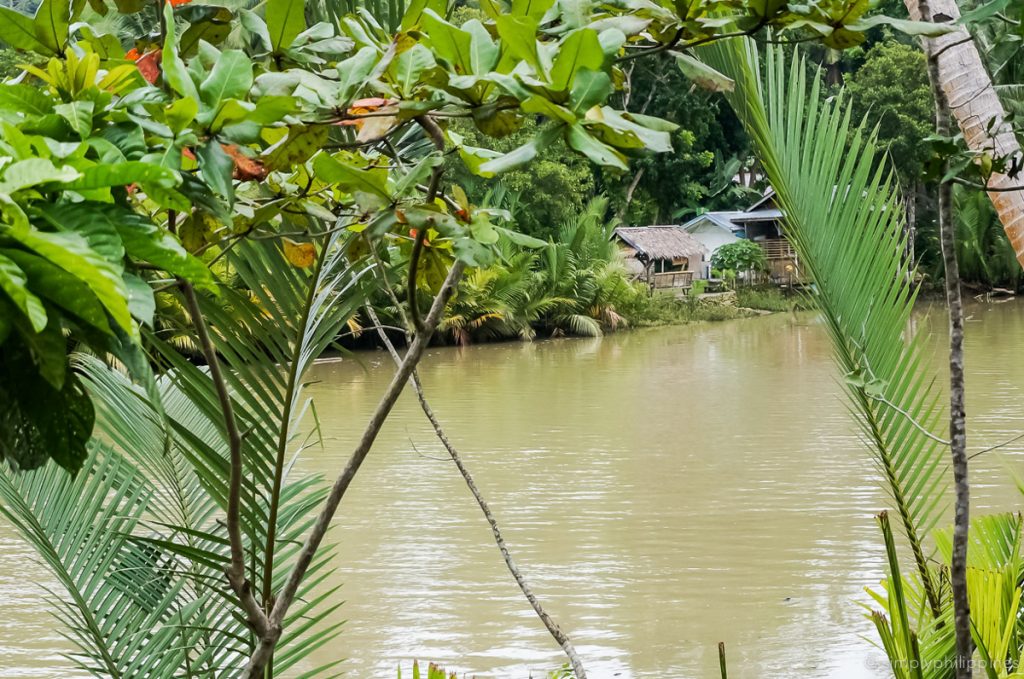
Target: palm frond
{"x":844,"y":219}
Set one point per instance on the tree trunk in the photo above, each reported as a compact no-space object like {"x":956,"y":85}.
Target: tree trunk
{"x":978,"y":111}
{"x":957,"y":415}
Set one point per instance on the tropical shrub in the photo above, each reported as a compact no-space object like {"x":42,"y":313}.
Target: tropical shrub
{"x":982,"y":248}
{"x":740,"y":256}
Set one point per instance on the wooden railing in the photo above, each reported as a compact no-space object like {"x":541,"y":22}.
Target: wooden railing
{"x":777,"y":248}
{"x":672,"y":279}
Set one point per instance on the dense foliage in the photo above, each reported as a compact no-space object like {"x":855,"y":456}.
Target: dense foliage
{"x":739,"y":256}
{"x":252,"y":179}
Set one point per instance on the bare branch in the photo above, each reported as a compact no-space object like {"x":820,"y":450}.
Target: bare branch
{"x":552,"y":626}
{"x":236,"y":570}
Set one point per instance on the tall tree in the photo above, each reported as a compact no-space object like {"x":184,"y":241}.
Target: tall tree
{"x":979,"y":113}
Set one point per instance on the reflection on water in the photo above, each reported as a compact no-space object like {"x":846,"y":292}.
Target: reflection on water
{"x":663,"y":490}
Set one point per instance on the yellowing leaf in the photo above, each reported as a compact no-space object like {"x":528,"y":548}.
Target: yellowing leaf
{"x":301,"y":255}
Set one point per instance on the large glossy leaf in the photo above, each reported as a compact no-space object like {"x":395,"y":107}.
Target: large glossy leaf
{"x":230,"y":78}
{"x":59,"y":287}
{"x":51,"y":24}
{"x":172,"y":66}
{"x":581,"y":140}
{"x":450,"y":43}
{"x":14,"y":282}
{"x":32,"y":172}
{"x":72,"y":253}
{"x":351,"y":178}
{"x":18,"y":30}
{"x":24,"y":98}
{"x":124,"y":174}
{"x":285,"y":20}
{"x":580,"y":49}
{"x":41,"y":421}
{"x":217,"y":168}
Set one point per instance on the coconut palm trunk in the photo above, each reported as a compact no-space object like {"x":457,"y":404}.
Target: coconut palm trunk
{"x":978,"y":111}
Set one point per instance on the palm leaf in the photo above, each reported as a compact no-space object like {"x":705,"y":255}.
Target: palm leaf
{"x":137,"y":539}
{"x":118,"y":604}
{"x":844,"y":218}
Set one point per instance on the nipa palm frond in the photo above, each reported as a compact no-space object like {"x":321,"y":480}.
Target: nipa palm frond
{"x":843,"y":217}
{"x":137,"y":540}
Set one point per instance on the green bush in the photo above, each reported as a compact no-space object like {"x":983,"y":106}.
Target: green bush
{"x":742,"y":255}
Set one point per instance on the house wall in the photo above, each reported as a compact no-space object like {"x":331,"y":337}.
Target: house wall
{"x":712,"y":236}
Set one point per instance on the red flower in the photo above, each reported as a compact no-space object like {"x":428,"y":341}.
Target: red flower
{"x":148,"y":63}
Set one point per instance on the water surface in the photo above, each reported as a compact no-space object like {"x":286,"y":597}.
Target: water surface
{"x":663,"y":490}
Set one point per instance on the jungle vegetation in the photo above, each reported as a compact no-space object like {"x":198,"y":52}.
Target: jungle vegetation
{"x":254,"y":182}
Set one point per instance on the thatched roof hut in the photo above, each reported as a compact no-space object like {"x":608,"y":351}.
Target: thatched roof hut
{"x":654,"y":243}
{"x":660,"y":250}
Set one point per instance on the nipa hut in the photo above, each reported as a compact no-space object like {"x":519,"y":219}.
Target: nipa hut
{"x":663,"y":256}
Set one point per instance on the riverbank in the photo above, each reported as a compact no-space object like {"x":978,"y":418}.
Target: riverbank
{"x":666,"y":309}
{"x":633,"y":311}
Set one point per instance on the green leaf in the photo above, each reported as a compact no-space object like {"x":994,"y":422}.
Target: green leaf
{"x":350,"y":178}
{"x":520,"y":238}
{"x":42,"y":421}
{"x":79,"y":115}
{"x":123,"y":174}
{"x":515,"y":158}
{"x":175,"y":73}
{"x":148,"y":242}
{"x":415,"y":10}
{"x":450,"y":43}
{"x":924,"y":28}
{"x":61,"y":288}
{"x":230,"y":78}
{"x":217,"y":167}
{"x":25,"y":99}
{"x":580,"y":49}
{"x":14,"y":282}
{"x":285,"y":20}
{"x":180,"y":114}
{"x":613,"y":128}
{"x":482,"y":229}
{"x":302,"y":142}
{"x":353,"y":72}
{"x":51,"y":24}
{"x":545,"y":107}
{"x":473,"y":253}
{"x":483,"y":53}
{"x":580,"y":140}
{"x":408,"y":66}
{"x":140,"y":298}
{"x":88,"y":222}
{"x":18,"y":31}
{"x":25,"y":174}
{"x":72,"y":253}
{"x":702,"y":74}
{"x":589,"y":89}
{"x":519,"y":37}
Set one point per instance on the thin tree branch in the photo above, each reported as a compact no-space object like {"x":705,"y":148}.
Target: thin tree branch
{"x":908,"y":417}
{"x":984,"y":187}
{"x":236,"y":570}
{"x":269,"y":639}
{"x":997,"y":446}
{"x":552,"y":626}
{"x":957,"y":414}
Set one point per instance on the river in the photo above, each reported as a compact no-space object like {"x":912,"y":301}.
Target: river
{"x":663,"y":490}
